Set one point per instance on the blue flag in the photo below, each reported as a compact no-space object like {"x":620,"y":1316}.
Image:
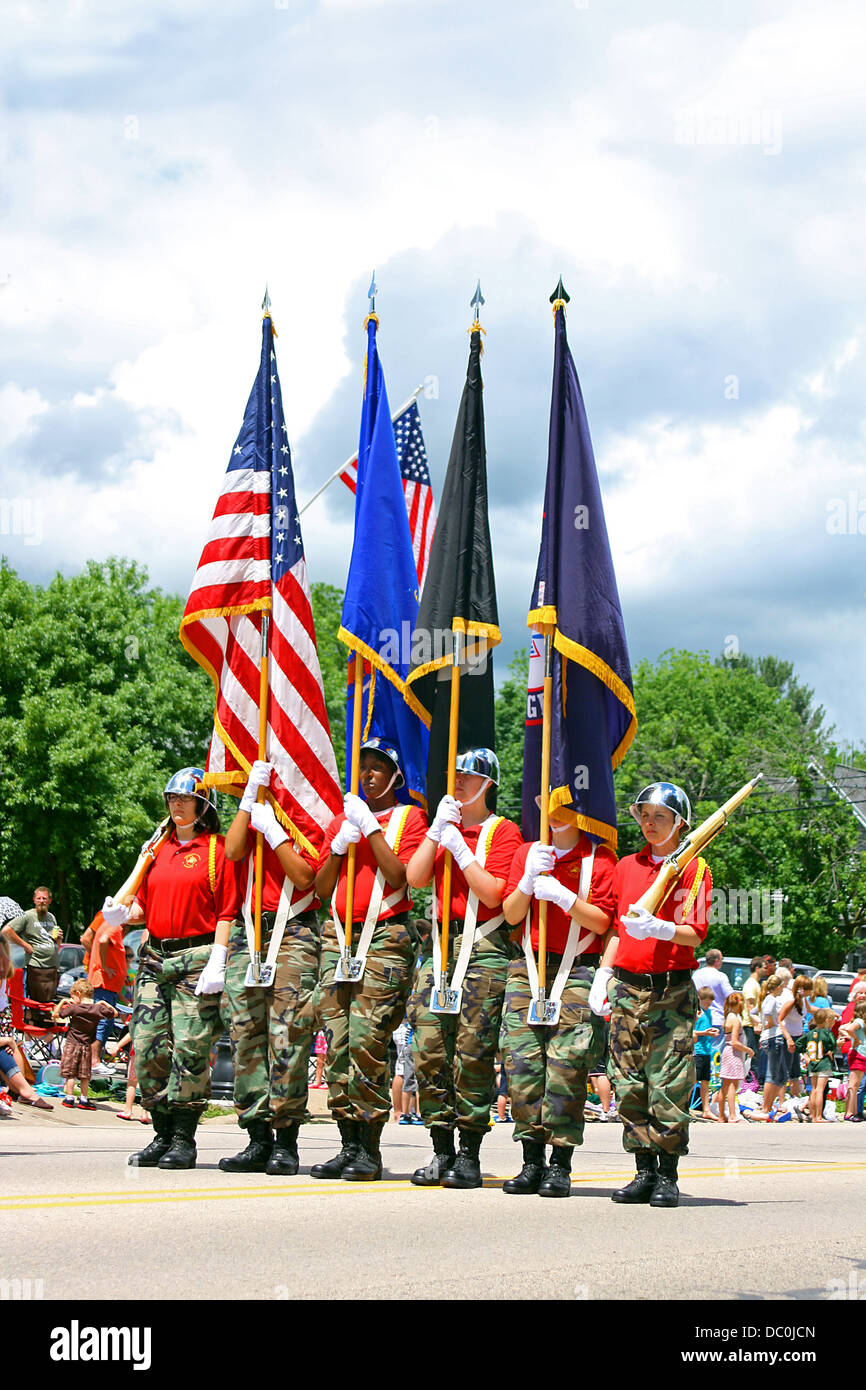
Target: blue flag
{"x":575,"y":596}
{"x":381,"y":602}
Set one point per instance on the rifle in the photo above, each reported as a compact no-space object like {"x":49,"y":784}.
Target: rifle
{"x":671,"y":868}
{"x":147,"y":855}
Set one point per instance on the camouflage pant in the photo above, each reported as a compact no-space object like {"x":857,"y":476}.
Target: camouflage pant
{"x":455,"y":1054}
{"x":272,"y":1029}
{"x":652,"y":1063}
{"x":173,"y":1029}
{"x":358,"y":1021}
{"x":547,"y":1067}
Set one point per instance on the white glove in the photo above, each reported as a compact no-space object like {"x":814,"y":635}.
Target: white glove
{"x":359,"y":813}
{"x":643,"y":924}
{"x":348,"y":834}
{"x":598,"y":992}
{"x":262,"y":818}
{"x":213,"y":977}
{"x":539,"y":860}
{"x":452,"y":840}
{"x":260,"y":776}
{"x":447,"y":813}
{"x":550,"y":890}
{"x":114,"y":914}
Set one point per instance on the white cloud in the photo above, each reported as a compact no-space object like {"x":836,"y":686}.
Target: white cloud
{"x":165,"y":161}
{"x":18,"y":409}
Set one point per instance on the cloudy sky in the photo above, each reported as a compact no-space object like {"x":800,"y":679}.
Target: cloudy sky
{"x":694,"y":172}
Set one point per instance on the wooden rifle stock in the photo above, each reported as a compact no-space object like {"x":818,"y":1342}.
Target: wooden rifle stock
{"x":672,"y":867}
{"x":148,"y":854}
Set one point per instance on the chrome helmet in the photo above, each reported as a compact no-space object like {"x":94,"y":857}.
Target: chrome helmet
{"x":666,"y":794}
{"x":189,"y":781}
{"x":385,"y":750}
{"x":482,"y":761}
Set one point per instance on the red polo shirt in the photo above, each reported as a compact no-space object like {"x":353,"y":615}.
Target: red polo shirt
{"x":687,"y":905}
{"x":176,"y":896}
{"x":112,"y":975}
{"x":366,"y":868}
{"x":503,"y":846}
{"x":274,"y":874}
{"x":567,"y":871}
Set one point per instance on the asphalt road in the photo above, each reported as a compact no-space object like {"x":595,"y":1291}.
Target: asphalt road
{"x":766,"y":1212}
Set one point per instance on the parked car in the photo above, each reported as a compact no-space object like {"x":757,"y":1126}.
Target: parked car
{"x":838,"y":985}
{"x":737,"y":969}
{"x":71,"y":956}
{"x":134,"y":938}
{"x":68,"y":978}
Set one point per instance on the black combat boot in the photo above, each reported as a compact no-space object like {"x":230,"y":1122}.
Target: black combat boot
{"x":284,"y":1161}
{"x":182,"y":1153}
{"x":642,"y":1185}
{"x":254,"y":1158}
{"x":533,"y":1172}
{"x":161,"y":1119}
{"x":443,"y":1158}
{"x":558,"y":1180}
{"x":366,"y":1166}
{"x":666,"y":1193}
{"x":466,"y":1169}
{"x":350,"y":1133}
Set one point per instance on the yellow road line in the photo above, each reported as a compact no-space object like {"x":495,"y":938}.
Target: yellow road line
{"x":73,"y":1201}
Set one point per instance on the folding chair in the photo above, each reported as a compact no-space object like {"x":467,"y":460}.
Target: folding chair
{"x":38,"y":1040}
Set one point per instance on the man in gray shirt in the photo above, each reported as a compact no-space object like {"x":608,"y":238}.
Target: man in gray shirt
{"x":38,"y":933}
{"x":709,"y":976}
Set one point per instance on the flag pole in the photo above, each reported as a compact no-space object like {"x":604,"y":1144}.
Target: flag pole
{"x":453,"y":722}
{"x":264,"y":686}
{"x":540,"y":1011}
{"x":260,"y":797}
{"x":544,"y":828}
{"x":449,"y":1001}
{"x":327,"y":483}
{"x":355,"y":764}
{"x":354,"y":784}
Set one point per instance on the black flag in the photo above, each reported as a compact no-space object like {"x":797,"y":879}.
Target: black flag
{"x":459,"y":596}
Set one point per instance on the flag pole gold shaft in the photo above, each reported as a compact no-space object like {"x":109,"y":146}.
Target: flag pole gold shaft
{"x":354,"y":783}
{"x":544,"y":828}
{"x":260,"y":796}
{"x":454,"y":716}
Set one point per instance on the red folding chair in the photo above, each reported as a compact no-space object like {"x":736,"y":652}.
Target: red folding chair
{"x":37,"y":1039}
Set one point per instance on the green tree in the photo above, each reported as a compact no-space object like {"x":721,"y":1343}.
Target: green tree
{"x":788,"y":871}
{"x":510,"y":722}
{"x":327,"y":604}
{"x":99,"y":704}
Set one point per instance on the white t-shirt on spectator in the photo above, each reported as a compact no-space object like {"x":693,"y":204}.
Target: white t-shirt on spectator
{"x":708,"y":977}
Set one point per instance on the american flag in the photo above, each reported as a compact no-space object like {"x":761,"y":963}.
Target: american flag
{"x":412,"y":457}
{"x":253,"y":563}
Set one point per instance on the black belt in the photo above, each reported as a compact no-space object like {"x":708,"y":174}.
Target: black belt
{"x":660,"y":980}
{"x":170,"y":945}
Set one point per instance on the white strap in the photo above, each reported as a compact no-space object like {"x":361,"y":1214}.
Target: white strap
{"x":471,"y":931}
{"x":287,"y":911}
{"x":576,"y":942}
{"x":377,"y":897}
